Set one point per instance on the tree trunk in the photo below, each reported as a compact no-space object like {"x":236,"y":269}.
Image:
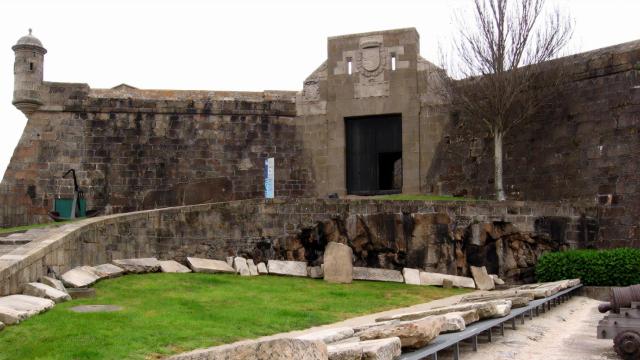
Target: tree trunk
{"x":497,"y":160}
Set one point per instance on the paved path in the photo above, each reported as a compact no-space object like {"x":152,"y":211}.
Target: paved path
{"x":568,"y":331}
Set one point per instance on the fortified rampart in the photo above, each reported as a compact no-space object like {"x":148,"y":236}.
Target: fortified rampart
{"x":446,"y":237}
{"x":369,"y":120}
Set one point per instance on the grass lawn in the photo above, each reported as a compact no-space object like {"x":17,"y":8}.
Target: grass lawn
{"x":170,"y":313}
{"x":34,"y":226}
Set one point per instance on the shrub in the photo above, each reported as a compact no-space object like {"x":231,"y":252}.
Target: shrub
{"x":616,"y":267}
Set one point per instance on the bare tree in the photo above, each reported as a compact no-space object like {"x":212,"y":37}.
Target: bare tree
{"x":498,"y":56}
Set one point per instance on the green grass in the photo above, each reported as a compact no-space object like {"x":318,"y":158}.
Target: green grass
{"x":422,"y":197}
{"x":33,"y":226}
{"x":170,"y":313}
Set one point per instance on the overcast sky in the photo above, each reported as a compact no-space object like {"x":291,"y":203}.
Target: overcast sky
{"x":247,"y":45}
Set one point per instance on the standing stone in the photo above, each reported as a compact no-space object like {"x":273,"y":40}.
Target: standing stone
{"x":338,"y":263}
{"x":172,"y":266}
{"x":138,"y":266}
{"x":413,"y":334}
{"x":411,"y":276}
{"x":108,"y":271}
{"x":291,"y":268}
{"x":276,"y":349}
{"x":241,"y":267}
{"x":374,"y":274}
{"x":315,"y":272}
{"x":230,"y":260}
{"x":79,"y":277}
{"x":46,"y":291}
{"x":54,"y":283}
{"x":482,"y":279}
{"x":253,"y":269}
{"x":209,"y":266}
{"x":262,"y":269}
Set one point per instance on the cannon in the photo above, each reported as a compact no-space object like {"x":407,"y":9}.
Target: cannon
{"x":622,"y":324}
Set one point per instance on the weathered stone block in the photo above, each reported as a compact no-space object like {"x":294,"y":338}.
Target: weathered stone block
{"x":108,"y":271}
{"x":291,"y":268}
{"x":382,"y":349}
{"x":262,"y":269}
{"x":328,"y":336}
{"x":338,"y":263}
{"x":46,"y":291}
{"x":31,"y":305}
{"x":413,"y":334}
{"x":437,"y":279}
{"x":209,"y":265}
{"x":482,"y":279}
{"x":253,"y":269}
{"x":411,"y":276}
{"x":277,"y":349}
{"x":138,"y":266}
{"x":315,"y":272}
{"x":373,"y":274}
{"x":241,"y":266}
{"x":172,"y":266}
{"x":54,"y":283}
{"x":79,"y":277}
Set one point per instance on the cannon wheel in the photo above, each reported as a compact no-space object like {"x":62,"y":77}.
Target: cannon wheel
{"x":627,"y":345}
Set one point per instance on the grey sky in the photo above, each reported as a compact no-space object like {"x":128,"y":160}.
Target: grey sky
{"x":247,"y":45}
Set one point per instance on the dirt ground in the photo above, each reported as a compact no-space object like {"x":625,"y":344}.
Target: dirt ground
{"x":568,"y":331}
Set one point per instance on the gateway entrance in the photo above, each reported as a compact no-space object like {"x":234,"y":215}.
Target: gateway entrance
{"x":374,"y":154}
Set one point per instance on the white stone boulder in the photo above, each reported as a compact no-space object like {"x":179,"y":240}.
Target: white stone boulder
{"x":276,"y":349}
{"x":482,"y":278}
{"x":453,"y":322}
{"x":108,"y":271}
{"x":374,"y":274}
{"x":209,"y":266}
{"x":54,"y":283}
{"x":79,"y":277}
{"x":290,"y":268}
{"x":253,"y":269}
{"x":138,"y":265}
{"x":46,"y":291}
{"x":381,"y":349}
{"x":12,"y":316}
{"x":436,"y":279}
{"x":31,"y":305}
{"x":338,"y":263}
{"x":241,"y":266}
{"x":411,"y":276}
{"x":172,"y":266}
{"x":315,"y":272}
{"x":413,"y":334}
{"x":496,"y":279}
{"x":262,"y":269}
{"x":328,"y":336}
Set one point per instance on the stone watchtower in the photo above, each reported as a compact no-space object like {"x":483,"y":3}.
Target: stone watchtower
{"x":28,"y":73}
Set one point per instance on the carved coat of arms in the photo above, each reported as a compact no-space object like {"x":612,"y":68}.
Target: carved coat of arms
{"x":371,"y":58}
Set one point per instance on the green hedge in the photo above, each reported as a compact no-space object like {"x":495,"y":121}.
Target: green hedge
{"x":616,"y":267}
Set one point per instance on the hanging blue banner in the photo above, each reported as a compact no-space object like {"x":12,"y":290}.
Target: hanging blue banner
{"x":269,"y":178}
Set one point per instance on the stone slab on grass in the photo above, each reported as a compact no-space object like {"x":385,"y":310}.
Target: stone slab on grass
{"x":482,"y":278}
{"x":253,"y":269}
{"x":328,"y":336}
{"x":411,"y":276}
{"x":276,"y":349}
{"x":172,"y":266}
{"x":138,"y":265}
{"x":289,"y":268}
{"x":79,"y":277}
{"x":241,"y":266}
{"x":437,"y":279}
{"x":374,"y":274}
{"x":108,"y":271}
{"x":54,"y":283}
{"x":315,"y":272}
{"x":12,"y":316}
{"x":46,"y":291}
{"x":338,"y":263}
{"x":209,"y":266}
{"x":95,"y":308}
{"x":262,"y":269}
{"x":412,"y":334}
{"x":32,"y":305}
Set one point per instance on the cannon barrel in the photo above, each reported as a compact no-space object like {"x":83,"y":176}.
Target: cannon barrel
{"x":621,"y":297}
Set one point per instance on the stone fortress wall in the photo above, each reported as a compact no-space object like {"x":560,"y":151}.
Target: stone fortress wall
{"x":446,"y":237}
{"x":141,"y":149}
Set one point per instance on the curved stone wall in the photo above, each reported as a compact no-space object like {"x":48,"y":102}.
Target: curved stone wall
{"x":263,"y":229}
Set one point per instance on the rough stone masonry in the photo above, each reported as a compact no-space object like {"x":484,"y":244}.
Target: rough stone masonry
{"x":369,"y":119}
